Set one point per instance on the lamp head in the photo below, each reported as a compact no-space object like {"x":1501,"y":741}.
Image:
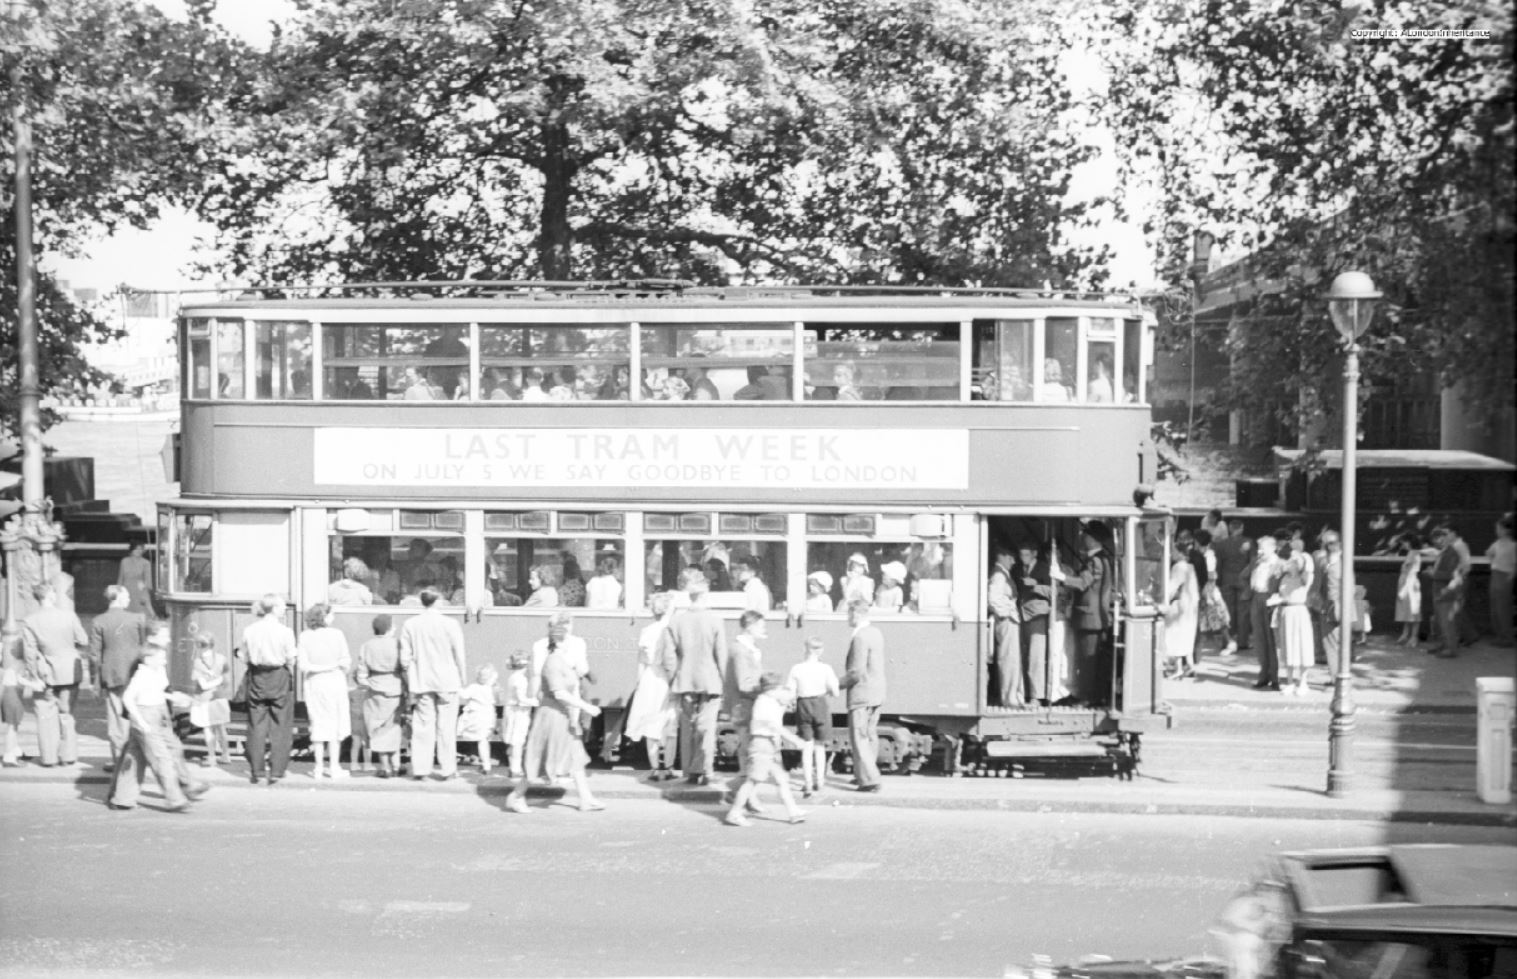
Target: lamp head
{"x":1351,"y":303}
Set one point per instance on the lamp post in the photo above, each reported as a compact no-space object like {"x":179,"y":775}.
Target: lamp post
{"x":1351,"y":303}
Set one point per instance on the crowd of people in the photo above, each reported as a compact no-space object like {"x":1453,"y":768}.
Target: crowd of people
{"x":1271,"y":595}
{"x":410,"y":686}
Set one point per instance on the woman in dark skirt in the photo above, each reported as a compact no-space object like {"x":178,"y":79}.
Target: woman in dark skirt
{"x":554,"y":749}
{"x":383,"y":681}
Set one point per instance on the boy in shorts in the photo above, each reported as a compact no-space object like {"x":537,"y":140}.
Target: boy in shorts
{"x":766,"y":733}
{"x":811,"y":682}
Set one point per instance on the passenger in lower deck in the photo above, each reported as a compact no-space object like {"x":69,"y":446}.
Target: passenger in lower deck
{"x":1045,"y":665}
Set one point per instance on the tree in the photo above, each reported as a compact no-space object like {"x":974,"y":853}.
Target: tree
{"x":1291,"y":135}
{"x":718,"y":140}
{"x":122,"y":103}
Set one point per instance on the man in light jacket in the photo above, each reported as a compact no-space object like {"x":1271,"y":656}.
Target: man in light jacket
{"x":865,"y":683}
{"x":432,"y":654}
{"x":53,"y":639}
{"x":694,"y":654}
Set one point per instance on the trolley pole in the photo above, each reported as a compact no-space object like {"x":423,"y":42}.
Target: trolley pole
{"x":1351,"y":302}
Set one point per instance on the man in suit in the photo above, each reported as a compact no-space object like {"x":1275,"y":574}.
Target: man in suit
{"x":865,"y":683}
{"x":432,"y":654}
{"x":1235,"y":553}
{"x":52,"y":639}
{"x":694,"y":653}
{"x":1091,"y":615}
{"x":116,"y":638}
{"x":1263,"y":579}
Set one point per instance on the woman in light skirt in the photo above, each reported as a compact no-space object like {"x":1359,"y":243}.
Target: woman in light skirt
{"x":323,"y":659}
{"x":1292,"y":618}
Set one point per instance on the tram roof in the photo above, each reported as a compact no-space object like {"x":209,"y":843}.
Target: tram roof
{"x":451,"y":295}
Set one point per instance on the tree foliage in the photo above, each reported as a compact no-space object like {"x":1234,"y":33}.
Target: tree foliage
{"x":718,"y":140}
{"x":1276,"y":128}
{"x":122,"y":105}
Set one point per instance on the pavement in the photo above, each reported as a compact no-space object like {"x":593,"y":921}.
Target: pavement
{"x":1391,"y":683}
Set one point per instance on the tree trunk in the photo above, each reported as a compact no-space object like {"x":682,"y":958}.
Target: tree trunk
{"x":555,"y":236}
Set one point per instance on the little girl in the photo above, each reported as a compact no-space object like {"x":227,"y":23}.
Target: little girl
{"x":1409,"y":592}
{"x":476,"y":713}
{"x":208,"y":710}
{"x":518,"y":712}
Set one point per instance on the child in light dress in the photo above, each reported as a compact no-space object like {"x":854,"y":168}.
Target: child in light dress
{"x":476,"y":713}
{"x":1409,"y":593}
{"x":517,"y":717}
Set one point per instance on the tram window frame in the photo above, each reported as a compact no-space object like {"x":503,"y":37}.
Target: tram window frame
{"x":280,"y":371}
{"x":722,"y":536}
{"x":443,"y":531}
{"x":598,"y":349}
{"x":823,"y":549}
{"x":873,"y":350}
{"x":588,"y":537}
{"x":1061,"y":347}
{"x":671,"y":350}
{"x":190,"y":550}
{"x":998,"y":374}
{"x":407,"y":376}
{"x":198,"y":363}
{"x":1132,"y":389}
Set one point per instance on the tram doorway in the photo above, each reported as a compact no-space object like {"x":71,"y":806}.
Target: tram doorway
{"x":1059,"y":660}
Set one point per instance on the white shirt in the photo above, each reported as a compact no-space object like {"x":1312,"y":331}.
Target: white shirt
{"x":573,"y":649}
{"x":756,"y":595}
{"x":813,"y":678}
{"x":603,"y":591}
{"x":148,"y":687}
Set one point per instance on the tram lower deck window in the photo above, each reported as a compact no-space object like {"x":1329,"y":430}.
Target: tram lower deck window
{"x":893,"y":576}
{"x":742,"y":573}
{"x":193,"y":537}
{"x":549,"y":572}
{"x":395,"y":569}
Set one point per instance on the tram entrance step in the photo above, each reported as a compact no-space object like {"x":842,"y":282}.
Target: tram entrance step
{"x":1045,"y":749}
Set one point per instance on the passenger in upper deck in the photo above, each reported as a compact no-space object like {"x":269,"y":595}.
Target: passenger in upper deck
{"x":1054,"y":389}
{"x":502,"y":385}
{"x":845,"y":375}
{"x":416,"y":386}
{"x":1098,"y":387}
{"x":533,"y":389}
{"x":752,"y":391}
{"x":619,"y":387}
{"x":674,"y":388}
{"x":701,"y":386}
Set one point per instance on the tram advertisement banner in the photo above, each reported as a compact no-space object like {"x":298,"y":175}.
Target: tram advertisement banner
{"x":900,"y":459}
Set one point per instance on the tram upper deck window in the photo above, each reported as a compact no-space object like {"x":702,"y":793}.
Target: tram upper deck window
{"x":198,"y":358}
{"x":717,"y":362}
{"x":394,"y":361}
{"x":229,"y":359}
{"x":743,"y":555}
{"x":543,"y":559}
{"x":522,"y":362}
{"x":1100,"y":361}
{"x":399,"y":554}
{"x":1061,"y":343}
{"x":871,"y":557}
{"x":1003,"y":360}
{"x":1132,"y":361}
{"x":282,"y":362}
{"x":873,"y":362}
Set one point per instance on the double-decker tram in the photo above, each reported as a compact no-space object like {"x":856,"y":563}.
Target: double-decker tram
{"x":526,"y":447}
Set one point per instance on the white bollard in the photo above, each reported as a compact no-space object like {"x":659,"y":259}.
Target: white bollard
{"x":1493,"y":739}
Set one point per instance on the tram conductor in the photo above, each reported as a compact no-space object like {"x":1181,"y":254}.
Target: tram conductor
{"x":1091,"y":616}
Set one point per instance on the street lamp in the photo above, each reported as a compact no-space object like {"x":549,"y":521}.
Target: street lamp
{"x":1351,"y":303}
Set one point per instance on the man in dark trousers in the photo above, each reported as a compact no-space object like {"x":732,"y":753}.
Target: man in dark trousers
{"x":116,"y":638}
{"x":1235,"y":553}
{"x":1091,"y":616}
{"x":268,"y":649}
{"x":694,"y":655}
{"x":1263,"y":579}
{"x":865,"y":683}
